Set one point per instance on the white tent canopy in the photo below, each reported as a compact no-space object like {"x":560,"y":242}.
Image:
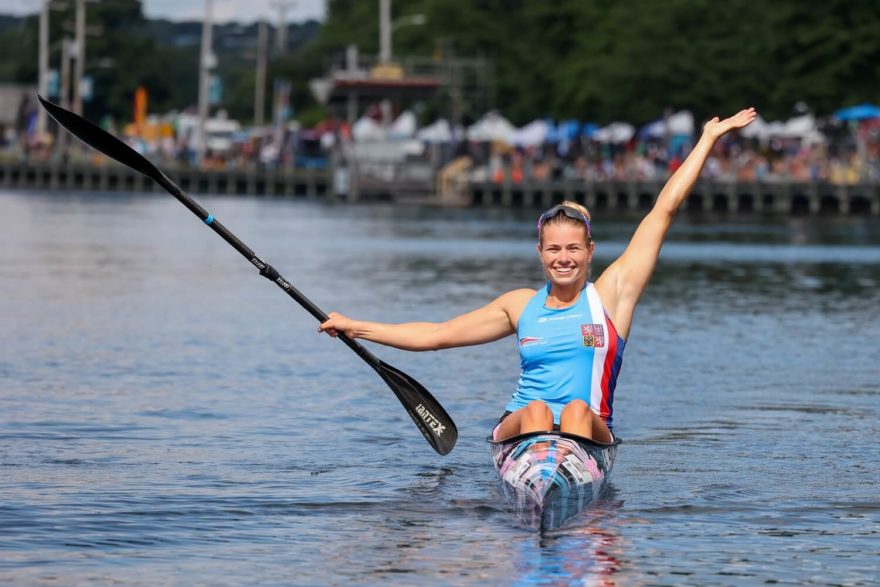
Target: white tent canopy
{"x":800,"y":127}
{"x":775,"y":129}
{"x":679,"y":124}
{"x":532,"y":134}
{"x":437,"y":132}
{"x":367,"y":129}
{"x":616,"y":132}
{"x":404,"y":126}
{"x":491,"y":127}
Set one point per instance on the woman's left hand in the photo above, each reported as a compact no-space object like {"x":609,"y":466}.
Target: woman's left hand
{"x":716,"y":128}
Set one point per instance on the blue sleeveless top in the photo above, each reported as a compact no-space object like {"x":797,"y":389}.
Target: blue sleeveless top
{"x":567,"y":354}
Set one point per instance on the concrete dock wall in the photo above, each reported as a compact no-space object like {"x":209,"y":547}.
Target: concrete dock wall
{"x":311,"y":183}
{"x":707,"y":196}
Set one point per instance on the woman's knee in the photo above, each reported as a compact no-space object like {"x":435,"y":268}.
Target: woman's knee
{"x":538,"y":410}
{"x":577,"y":408}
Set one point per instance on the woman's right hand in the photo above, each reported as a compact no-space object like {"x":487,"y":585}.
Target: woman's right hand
{"x":717,"y":128}
{"x":336,"y":324}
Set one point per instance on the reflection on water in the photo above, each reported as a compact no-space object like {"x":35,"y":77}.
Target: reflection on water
{"x":591,"y":552}
{"x":169,"y":417}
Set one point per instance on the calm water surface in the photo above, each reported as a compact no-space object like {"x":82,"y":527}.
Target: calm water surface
{"x":169,"y":418}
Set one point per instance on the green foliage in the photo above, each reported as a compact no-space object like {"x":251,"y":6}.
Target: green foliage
{"x":598,"y":60}
{"x":631,"y":59}
{"x":129,"y":51}
{"x":119,"y":59}
{"x":312,"y":116}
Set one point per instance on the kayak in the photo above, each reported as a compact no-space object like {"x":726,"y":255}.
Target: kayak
{"x":550,"y":477}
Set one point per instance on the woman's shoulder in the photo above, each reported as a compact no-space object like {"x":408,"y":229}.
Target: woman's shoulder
{"x":525,"y":293}
{"x":516,"y":300}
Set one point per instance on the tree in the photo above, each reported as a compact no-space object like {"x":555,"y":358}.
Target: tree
{"x":597,"y":60}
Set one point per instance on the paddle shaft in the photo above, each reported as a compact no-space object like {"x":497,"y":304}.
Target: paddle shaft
{"x":265,"y":269}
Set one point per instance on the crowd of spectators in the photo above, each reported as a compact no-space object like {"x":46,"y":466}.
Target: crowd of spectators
{"x":843,"y":158}
{"x":845,"y":155}
{"x":255,"y":148}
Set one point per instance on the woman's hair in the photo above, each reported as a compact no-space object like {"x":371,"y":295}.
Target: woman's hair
{"x":561,"y":218}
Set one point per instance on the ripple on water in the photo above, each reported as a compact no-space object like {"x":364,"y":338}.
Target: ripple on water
{"x":171,"y":419}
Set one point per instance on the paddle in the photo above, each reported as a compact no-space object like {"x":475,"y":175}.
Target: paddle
{"x":430,"y":417}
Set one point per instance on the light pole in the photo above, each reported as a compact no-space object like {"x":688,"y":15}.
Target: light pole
{"x":260,"y":75}
{"x":64,"y":94}
{"x":384,"y":31}
{"x":387,"y":28}
{"x":64,"y":74}
{"x":207,"y":62}
{"x":43,"y":81}
{"x":281,"y":39}
{"x":80,"y":55}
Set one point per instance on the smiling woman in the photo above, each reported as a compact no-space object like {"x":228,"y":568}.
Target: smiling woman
{"x":553,"y":447}
{"x":571,"y":332}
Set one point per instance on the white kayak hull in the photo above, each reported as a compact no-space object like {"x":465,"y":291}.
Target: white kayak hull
{"x":548,"y":478}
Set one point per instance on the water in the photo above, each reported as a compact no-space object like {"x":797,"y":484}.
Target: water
{"x":169,"y":418}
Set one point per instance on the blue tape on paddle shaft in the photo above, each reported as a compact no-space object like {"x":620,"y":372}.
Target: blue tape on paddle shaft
{"x":209,"y":219}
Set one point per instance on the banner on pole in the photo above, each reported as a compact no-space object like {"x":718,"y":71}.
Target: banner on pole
{"x":140,"y":107}
{"x":86,"y":88}
{"x":53,"y":83}
{"x":283,"y":110}
{"x":215,"y":91}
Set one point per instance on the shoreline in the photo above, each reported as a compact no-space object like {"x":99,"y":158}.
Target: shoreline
{"x":758,"y":198}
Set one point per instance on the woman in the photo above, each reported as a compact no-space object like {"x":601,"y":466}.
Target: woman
{"x":571,"y":332}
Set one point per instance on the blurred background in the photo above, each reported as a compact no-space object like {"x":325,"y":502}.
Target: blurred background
{"x":430,"y":98}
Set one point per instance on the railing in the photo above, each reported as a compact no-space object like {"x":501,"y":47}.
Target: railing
{"x":405,"y":181}
{"x":314,"y":183}
{"x":707,"y":196}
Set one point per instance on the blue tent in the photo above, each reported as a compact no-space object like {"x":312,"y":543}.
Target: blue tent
{"x":566,"y":130}
{"x":589,"y":129}
{"x":553,"y":134}
{"x":860,"y":112}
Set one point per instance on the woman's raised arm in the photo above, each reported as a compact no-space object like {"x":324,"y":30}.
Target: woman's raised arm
{"x":622,"y":284}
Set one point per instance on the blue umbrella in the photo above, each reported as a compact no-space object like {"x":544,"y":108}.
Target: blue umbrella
{"x":860,"y":112}
{"x":566,"y":130}
{"x":553,"y":135}
{"x":589,"y":129}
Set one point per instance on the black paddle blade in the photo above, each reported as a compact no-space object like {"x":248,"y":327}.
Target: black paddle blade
{"x":100,"y":140}
{"x":427,"y":413}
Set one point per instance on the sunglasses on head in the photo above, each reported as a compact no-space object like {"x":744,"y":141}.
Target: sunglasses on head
{"x":568,"y":211}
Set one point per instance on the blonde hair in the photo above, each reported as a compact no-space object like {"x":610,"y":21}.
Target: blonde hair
{"x":563,"y":219}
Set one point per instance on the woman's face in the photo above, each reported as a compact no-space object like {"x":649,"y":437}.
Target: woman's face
{"x":565,"y":253}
